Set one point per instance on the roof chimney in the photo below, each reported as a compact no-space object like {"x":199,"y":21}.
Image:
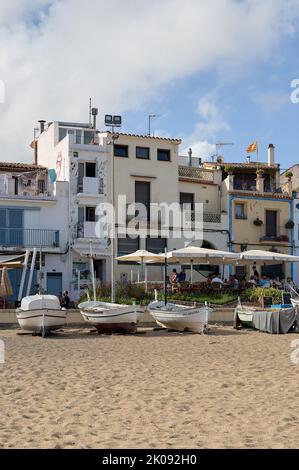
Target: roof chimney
{"x":42,"y":126}
{"x":190,"y":156}
{"x":271,"y":155}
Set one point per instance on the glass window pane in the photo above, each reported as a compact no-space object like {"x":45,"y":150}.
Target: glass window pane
{"x":121,"y":151}
{"x":143,"y":152}
{"x":78,"y":137}
{"x":62,"y":133}
{"x":163,"y":155}
{"x":88,"y":137}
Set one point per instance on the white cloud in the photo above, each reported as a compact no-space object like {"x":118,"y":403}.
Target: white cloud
{"x":209,"y":126}
{"x":121,"y":53}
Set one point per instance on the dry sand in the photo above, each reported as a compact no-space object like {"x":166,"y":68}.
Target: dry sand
{"x":80,"y":390}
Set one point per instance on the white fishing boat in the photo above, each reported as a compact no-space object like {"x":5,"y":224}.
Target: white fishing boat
{"x":41,"y":314}
{"x":110,"y":318}
{"x":180,"y":317}
{"x":245,"y":314}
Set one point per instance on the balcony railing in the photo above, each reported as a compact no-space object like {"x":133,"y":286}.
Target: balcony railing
{"x":190,"y":172}
{"x":29,"y":238}
{"x":276,"y":239}
{"x":88,"y":185}
{"x":207,"y":217}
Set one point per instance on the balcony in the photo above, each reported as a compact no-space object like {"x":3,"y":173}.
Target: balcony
{"x":196,"y":173}
{"x":86,"y":230}
{"x":29,"y":238}
{"x":207,"y":217}
{"x":88,"y":185}
{"x":274,"y":239}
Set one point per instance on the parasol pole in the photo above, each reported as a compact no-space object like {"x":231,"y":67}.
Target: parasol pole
{"x":21,"y":288}
{"x":31,"y":272}
{"x":191,"y":275}
{"x":165,"y":277}
{"x":92,"y":276}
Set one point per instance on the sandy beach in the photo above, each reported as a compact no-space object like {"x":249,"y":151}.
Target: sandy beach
{"x":80,"y":390}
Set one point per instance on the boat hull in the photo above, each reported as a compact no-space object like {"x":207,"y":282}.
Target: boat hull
{"x":111,"y":318}
{"x":44,"y":320}
{"x":184,"y":319}
{"x":246,"y":318}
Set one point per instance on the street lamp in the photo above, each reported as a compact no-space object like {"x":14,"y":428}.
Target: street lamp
{"x":113,"y":122}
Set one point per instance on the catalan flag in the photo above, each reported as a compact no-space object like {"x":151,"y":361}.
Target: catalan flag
{"x":252,"y":147}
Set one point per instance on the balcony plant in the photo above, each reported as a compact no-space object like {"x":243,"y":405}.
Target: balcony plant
{"x":228,"y":169}
{"x":289,"y":225}
{"x":259,"y":173}
{"x":289,"y":175}
{"x":258,"y":222}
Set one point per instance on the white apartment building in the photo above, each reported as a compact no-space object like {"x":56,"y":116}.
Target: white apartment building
{"x":146,"y":170}
{"x":33,"y":211}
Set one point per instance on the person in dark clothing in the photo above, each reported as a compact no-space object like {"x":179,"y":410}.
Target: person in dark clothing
{"x":65,"y":300}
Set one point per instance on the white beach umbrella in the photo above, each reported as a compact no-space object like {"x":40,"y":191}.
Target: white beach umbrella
{"x":140,"y":256}
{"x":143,"y":257}
{"x":265,"y":257}
{"x":195,"y":254}
{"x":6,"y":289}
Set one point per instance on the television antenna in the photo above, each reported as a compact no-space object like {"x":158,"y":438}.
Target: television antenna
{"x":218,"y":146}
{"x":150,"y":117}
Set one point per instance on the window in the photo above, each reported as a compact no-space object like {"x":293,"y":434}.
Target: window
{"x":143,"y":195}
{"x":156,"y":245}
{"x":240,"y":211}
{"x":76,"y":154}
{"x":271,"y":224}
{"x":127,"y":245}
{"x":143,"y":153}
{"x":90,"y":214}
{"x":62,"y":133}
{"x":78,"y":137}
{"x":187,"y":201}
{"x":88,"y":137}
{"x":41,"y":184}
{"x":121,"y":151}
{"x":163,"y":155}
{"x":90,"y":170}
{"x":11,"y":227}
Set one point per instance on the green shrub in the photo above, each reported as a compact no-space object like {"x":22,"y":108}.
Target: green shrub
{"x":254,"y":295}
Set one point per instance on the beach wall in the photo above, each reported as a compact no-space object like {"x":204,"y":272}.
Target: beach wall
{"x":74,"y":318}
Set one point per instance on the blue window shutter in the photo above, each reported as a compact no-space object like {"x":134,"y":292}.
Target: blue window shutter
{"x":15,"y":217}
{"x":2,"y":218}
{"x":3,"y":231}
{"x":15,"y":220}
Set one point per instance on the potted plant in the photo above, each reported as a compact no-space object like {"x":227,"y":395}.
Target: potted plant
{"x":289,"y":175}
{"x":228,"y":169}
{"x":259,"y":173}
{"x":258,"y":222}
{"x":289,"y":225}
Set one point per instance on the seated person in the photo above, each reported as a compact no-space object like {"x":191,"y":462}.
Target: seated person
{"x":65,"y":300}
{"x":173,"y":279}
{"x":217,"y":279}
{"x":252,"y":281}
{"x":233,"y":282}
{"x":265,"y":282}
{"x":181,"y":277}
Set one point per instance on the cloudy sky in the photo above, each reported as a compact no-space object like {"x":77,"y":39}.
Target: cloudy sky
{"x":215,"y":70}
